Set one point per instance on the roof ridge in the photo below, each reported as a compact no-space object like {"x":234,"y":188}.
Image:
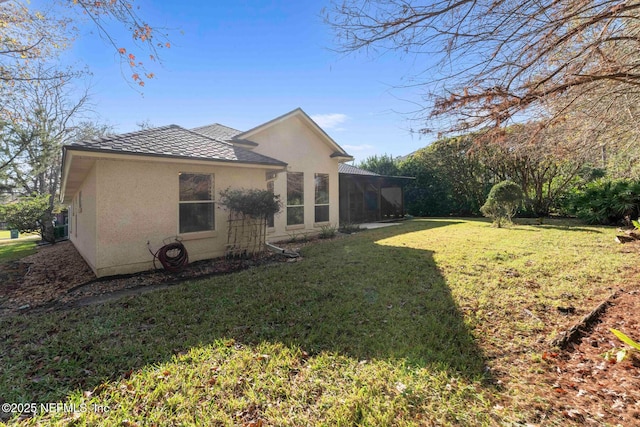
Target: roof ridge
{"x":118,"y":136}
{"x":210,"y":137}
{"x":217,"y":124}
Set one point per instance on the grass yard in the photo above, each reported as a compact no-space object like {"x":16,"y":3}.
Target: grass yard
{"x":12,"y":250}
{"x":433,"y":322}
{"x":5,"y":236}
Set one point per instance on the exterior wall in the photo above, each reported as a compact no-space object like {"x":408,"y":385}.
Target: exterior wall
{"x":137,"y":202}
{"x":293,"y":142}
{"x":83,"y":219}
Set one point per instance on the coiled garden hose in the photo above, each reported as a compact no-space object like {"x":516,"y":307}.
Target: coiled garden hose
{"x":173,"y":256}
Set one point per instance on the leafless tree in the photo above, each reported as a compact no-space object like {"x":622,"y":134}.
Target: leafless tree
{"x":495,"y":60}
{"x":48,"y":115}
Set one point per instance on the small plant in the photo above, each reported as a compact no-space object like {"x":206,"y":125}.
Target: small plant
{"x":618,"y":355}
{"x":298,"y":237}
{"x":503,"y":202}
{"x":349,"y":228}
{"x":327,"y":231}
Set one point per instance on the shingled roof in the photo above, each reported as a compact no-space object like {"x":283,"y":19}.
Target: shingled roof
{"x":352,"y":170}
{"x":174,"y":141}
{"x":218,"y":131}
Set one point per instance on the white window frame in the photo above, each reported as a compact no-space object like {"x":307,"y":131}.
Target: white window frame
{"x":297,"y":205}
{"x":315,"y":195}
{"x":210,"y":201}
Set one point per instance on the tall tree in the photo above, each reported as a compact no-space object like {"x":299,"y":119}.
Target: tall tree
{"x":543,"y":161}
{"x":48,"y":116}
{"x":496,"y":59}
{"x":383,"y":165}
{"x":453,"y":175}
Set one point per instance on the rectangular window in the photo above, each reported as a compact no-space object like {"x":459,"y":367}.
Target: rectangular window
{"x":270,"y":218}
{"x":295,"y":198}
{"x":322,"y":197}
{"x":196,"y":205}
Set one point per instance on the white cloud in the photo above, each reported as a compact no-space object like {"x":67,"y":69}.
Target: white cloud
{"x":361,"y":147}
{"x":330,"y":121}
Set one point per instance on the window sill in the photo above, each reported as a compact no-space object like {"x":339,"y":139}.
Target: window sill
{"x":294,"y":227}
{"x":197,"y":235}
{"x":321,"y":224}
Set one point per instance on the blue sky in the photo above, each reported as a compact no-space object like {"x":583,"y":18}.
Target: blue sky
{"x":242,"y":63}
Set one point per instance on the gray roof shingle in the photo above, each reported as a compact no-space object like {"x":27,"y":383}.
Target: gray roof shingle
{"x":352,"y":170}
{"x":174,"y":141}
{"x":218,"y":131}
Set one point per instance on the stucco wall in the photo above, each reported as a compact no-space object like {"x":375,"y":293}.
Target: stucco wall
{"x":83,"y":219}
{"x":137,"y":201}
{"x":293,"y":142}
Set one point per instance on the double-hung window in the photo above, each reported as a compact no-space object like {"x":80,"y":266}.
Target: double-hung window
{"x":322,"y":197}
{"x":196,"y":205}
{"x":295,"y":198}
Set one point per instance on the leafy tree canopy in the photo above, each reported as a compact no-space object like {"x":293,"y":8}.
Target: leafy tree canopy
{"x":383,"y":165}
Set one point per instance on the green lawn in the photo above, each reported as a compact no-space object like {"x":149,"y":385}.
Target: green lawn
{"x":433,"y":322}
{"x":12,"y":250}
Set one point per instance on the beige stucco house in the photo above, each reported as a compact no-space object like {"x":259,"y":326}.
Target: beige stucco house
{"x":128,"y":191}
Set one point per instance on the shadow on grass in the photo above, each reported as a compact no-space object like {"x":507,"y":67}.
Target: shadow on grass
{"x":349,"y":296}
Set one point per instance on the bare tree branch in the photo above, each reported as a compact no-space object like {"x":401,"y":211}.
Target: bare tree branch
{"x":492,"y":61}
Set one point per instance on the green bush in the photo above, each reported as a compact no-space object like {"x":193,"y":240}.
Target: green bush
{"x":27,"y":214}
{"x":349,"y":228}
{"x":327,"y":231}
{"x":254,"y":203}
{"x":606,"y":201}
{"x":503,"y":202}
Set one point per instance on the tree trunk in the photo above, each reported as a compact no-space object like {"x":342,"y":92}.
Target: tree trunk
{"x":48,"y":230}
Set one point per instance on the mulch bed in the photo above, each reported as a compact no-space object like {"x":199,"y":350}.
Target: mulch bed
{"x":588,"y":388}
{"x":58,"y":277}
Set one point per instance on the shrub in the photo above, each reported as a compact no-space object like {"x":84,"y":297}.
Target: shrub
{"x":254,"y":203}
{"x":27,"y":214}
{"x":349,"y":228}
{"x":327,"y":231}
{"x":606,"y":201}
{"x":503,"y":202}
{"x":300,"y":237}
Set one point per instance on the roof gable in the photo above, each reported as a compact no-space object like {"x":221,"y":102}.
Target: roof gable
{"x":300,"y":114}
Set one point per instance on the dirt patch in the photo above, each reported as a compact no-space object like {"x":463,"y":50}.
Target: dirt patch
{"x":589,"y":388}
{"x":58,"y":277}
{"x":40,"y":278}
